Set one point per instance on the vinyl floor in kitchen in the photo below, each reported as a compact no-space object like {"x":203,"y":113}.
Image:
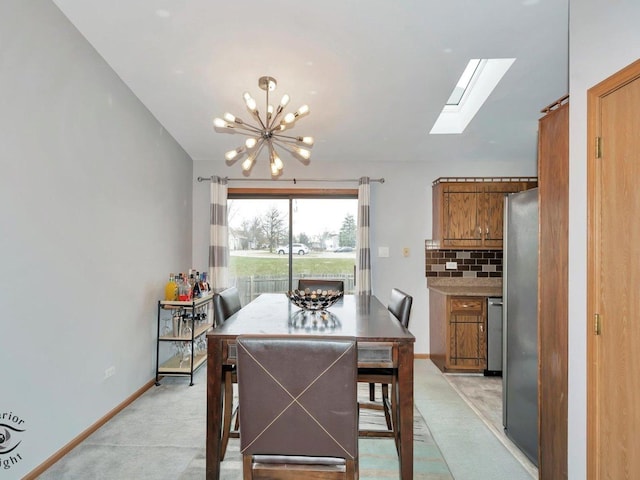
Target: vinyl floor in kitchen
{"x":484,"y":396}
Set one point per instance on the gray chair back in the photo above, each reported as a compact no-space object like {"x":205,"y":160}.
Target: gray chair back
{"x":225,"y":304}
{"x":400,"y":305}
{"x":298,"y":397}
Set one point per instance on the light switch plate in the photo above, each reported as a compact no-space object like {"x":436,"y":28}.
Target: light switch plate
{"x":405,"y":252}
{"x":383,"y":251}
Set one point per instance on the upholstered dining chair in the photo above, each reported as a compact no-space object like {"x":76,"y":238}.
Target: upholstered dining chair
{"x":400,"y":306}
{"x":315,"y":284}
{"x":225,"y":304}
{"x":298,"y":404}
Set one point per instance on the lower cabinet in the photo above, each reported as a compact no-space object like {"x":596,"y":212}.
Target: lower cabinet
{"x":467,"y":327}
{"x":458,"y":332}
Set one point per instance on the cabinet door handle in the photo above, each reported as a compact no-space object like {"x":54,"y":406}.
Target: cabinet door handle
{"x":482,"y":328}
{"x":487,"y":230}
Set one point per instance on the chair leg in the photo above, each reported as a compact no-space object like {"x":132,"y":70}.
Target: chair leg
{"x":395,"y":415}
{"x":227,"y":413}
{"x":385,"y":405}
{"x":351,"y":469}
{"x":247,"y":467}
{"x":372,"y":392}
{"x":237,"y":423}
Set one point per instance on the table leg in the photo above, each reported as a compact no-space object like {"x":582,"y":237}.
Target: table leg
{"x":214,"y":408}
{"x":405,"y":409}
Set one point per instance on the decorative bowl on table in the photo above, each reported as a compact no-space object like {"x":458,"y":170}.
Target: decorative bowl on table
{"x":314,"y":300}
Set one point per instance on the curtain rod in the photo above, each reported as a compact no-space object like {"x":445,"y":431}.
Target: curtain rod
{"x":294,"y":180}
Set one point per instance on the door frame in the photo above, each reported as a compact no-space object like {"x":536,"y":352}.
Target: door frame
{"x":594,"y":97}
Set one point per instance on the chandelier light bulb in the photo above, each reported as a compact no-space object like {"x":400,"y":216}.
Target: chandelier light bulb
{"x":250,"y":142}
{"x":303,"y":110}
{"x":231,"y":154}
{"x":220,"y":123}
{"x":248,"y":163}
{"x":306,"y":140}
{"x":229,"y":118}
{"x":251,"y":103}
{"x":285,"y":100}
{"x":289,"y":118}
{"x":303,"y":152}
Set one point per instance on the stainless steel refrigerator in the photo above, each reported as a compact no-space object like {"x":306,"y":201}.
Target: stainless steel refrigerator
{"x":520,"y":321}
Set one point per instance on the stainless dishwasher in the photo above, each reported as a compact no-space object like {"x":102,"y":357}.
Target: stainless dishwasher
{"x":494,"y":336}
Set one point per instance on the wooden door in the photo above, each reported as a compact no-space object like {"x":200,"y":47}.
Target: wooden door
{"x":613,"y":351}
{"x":461,"y":225}
{"x":553,"y":283}
{"x":493,"y":211}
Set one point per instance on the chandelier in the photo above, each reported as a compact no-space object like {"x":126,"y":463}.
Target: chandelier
{"x":267,"y":133}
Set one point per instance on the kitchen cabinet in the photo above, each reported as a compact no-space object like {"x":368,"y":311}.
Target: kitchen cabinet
{"x":183,"y":325}
{"x":468,"y":212}
{"x":458,"y":332}
{"x":467,"y":328}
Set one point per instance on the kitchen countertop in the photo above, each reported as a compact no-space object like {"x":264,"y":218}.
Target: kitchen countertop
{"x":466,"y":287}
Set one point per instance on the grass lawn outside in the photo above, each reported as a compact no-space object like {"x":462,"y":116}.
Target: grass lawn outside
{"x":266,"y":264}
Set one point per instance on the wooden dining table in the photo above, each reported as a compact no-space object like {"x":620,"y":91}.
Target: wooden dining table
{"x":382,"y":343}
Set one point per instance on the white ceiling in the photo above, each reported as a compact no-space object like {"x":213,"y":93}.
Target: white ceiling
{"x":376,"y":73}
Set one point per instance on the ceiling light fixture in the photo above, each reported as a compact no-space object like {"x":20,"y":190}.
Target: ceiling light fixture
{"x":268,"y":133}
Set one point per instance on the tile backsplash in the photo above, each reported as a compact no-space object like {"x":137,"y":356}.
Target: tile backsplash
{"x":469,"y":263}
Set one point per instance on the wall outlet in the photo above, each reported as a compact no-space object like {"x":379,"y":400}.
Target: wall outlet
{"x":383,"y":252}
{"x":109,"y":372}
{"x":405,"y":252}
{"x":451,"y":266}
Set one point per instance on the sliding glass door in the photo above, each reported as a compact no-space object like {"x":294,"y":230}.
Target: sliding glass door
{"x":275,"y":241}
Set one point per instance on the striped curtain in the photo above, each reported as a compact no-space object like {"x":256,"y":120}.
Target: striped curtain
{"x":363,"y":267}
{"x":219,"y":240}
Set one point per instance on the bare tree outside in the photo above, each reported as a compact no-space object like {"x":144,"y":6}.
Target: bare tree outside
{"x":252,"y":231}
{"x":274,"y":228}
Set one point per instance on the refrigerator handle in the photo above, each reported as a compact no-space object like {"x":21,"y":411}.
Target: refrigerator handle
{"x":498,"y":304}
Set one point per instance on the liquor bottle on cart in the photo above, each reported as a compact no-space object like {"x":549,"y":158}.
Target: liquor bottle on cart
{"x":171,"y":289}
{"x":184,"y":289}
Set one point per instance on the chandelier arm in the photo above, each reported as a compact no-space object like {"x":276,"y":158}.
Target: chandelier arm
{"x":238,"y":127}
{"x":256,"y":115}
{"x":271,"y":124}
{"x":282,"y":144}
{"x":289,"y":137}
{"x":293,"y":149}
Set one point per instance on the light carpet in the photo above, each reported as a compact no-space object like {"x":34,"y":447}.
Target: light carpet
{"x":161,"y":436}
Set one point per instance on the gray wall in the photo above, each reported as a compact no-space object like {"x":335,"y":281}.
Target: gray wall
{"x":96,"y":211}
{"x":401,"y":214}
{"x":593,"y":57}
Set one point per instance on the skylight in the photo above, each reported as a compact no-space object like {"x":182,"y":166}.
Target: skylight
{"x":473,"y":88}
{"x":464,"y":82}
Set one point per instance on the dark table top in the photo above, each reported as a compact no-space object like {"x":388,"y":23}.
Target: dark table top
{"x":361,"y":316}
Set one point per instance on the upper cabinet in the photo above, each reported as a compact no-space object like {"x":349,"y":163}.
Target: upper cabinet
{"x":468,"y":212}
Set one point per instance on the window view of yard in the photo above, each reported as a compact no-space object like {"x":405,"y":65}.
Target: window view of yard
{"x":322,"y":246}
